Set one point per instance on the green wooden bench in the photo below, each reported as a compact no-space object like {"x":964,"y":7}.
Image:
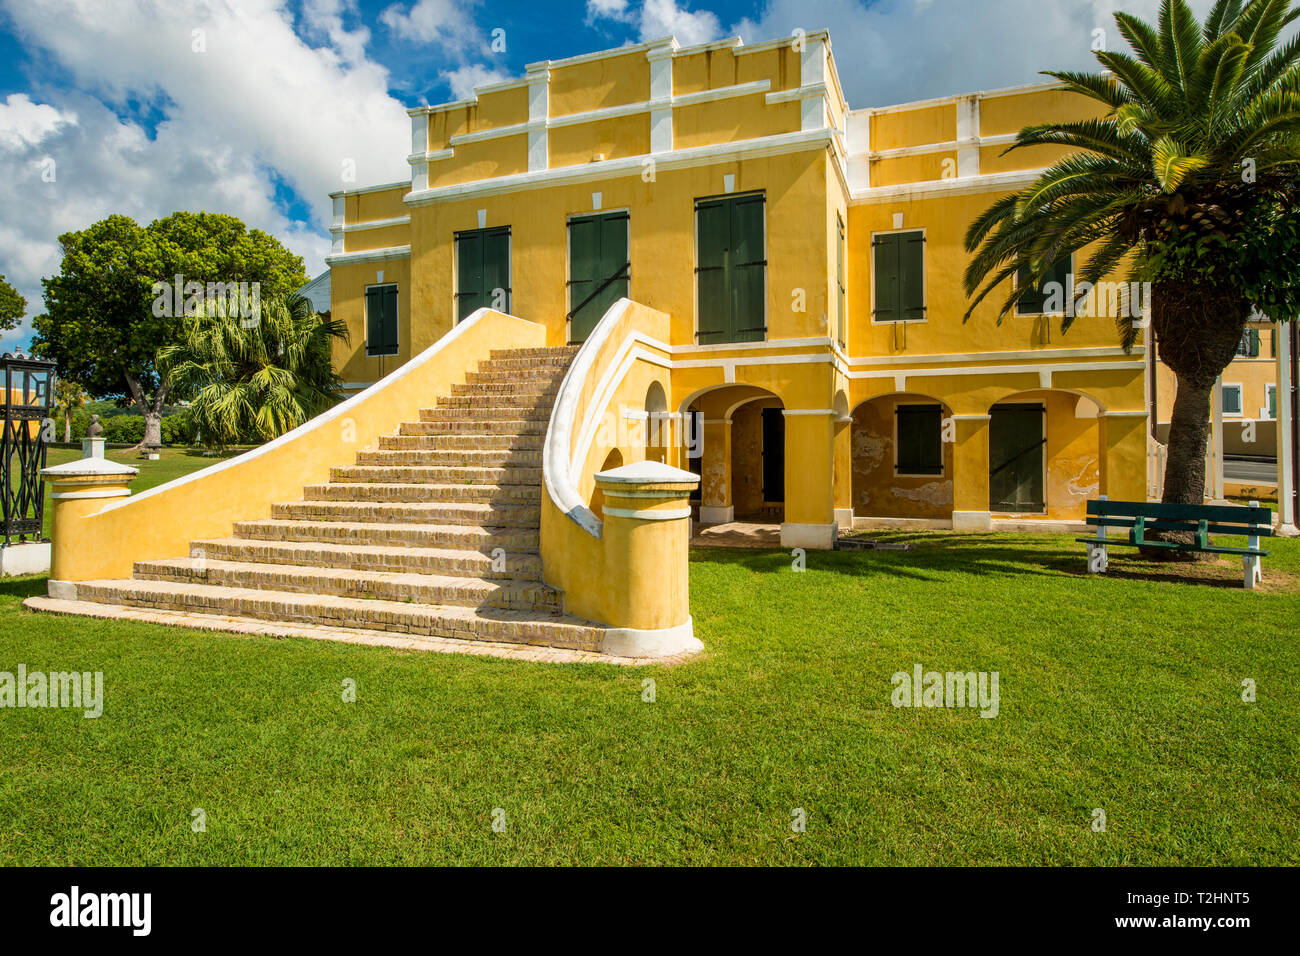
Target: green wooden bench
{"x":1144,"y":521}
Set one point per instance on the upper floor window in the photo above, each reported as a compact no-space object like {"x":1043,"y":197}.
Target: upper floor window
{"x":381,"y":319}
{"x":1248,"y":347}
{"x":841,"y":286}
{"x":1048,"y":297}
{"x":482,"y":270}
{"x":598,"y":269}
{"x":898,"y":267}
{"x":731,"y":269}
{"x":1231,"y":399}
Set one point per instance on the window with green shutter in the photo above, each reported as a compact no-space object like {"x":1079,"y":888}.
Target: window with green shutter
{"x":919,"y":440}
{"x":1231,"y":398}
{"x":1249,"y":345}
{"x":1051,"y":290}
{"x":898,"y":265}
{"x":598,"y":269}
{"x":731,"y":269}
{"x":381,"y":320}
{"x":841,"y":285}
{"x":482,"y":270}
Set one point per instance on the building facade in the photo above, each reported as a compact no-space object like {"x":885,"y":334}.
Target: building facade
{"x":808,"y":256}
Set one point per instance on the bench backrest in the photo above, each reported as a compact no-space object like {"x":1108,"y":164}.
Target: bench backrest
{"x":1219,"y":519}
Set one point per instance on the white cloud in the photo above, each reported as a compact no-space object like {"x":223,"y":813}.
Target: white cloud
{"x":429,"y":21}
{"x":462,"y":80}
{"x":899,"y":50}
{"x":24,"y":123}
{"x":259,"y":99}
{"x":658,"y":18}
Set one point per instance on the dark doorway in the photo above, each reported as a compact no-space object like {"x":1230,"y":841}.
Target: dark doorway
{"x":773,"y":455}
{"x":1016,"y":453}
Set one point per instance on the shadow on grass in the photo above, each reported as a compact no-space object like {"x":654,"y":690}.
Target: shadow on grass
{"x":935,"y":555}
{"x":24,"y":587}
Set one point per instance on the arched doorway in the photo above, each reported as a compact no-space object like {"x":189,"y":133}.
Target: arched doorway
{"x":741,"y":454}
{"x":902,"y":458}
{"x":1045,"y":452}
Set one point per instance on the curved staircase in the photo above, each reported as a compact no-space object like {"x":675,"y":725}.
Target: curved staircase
{"x":431,"y":538}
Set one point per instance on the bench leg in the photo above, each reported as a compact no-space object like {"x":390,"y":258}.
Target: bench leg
{"x":1096,"y":559}
{"x":1254,"y":572}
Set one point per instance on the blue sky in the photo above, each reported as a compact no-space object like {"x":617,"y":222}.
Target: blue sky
{"x":251,"y":107}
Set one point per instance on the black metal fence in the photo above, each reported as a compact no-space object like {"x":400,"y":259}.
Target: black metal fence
{"x":28,"y":396}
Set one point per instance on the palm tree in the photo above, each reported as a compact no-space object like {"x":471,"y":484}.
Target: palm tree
{"x":1187,"y":181}
{"x":68,"y":396}
{"x":249,"y":380}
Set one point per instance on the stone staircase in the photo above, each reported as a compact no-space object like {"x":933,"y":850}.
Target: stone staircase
{"x":433,"y":535}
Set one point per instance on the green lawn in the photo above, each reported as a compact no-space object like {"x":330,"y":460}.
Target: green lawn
{"x":1122,"y":693}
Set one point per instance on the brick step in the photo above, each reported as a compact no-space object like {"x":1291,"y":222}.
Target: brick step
{"x":510,"y":387}
{"x":497,"y":400}
{"x":525,"y":515}
{"x":410,"y":534}
{"x":348,"y":582}
{"x":568,"y":351}
{"x":395,"y":491}
{"x":440,"y":442}
{"x":487,"y":413}
{"x":404,"y":558}
{"x":495,"y":427}
{"x":554,"y":364}
{"x":464,"y":623}
{"x":464,"y":457}
{"x":526,"y":377}
{"x":438,"y":474}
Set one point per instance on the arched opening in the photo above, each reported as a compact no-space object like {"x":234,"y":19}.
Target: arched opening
{"x":902,"y":458}
{"x":658,"y":429}
{"x":613,"y":460}
{"x":740,"y":453}
{"x":1045,"y":453}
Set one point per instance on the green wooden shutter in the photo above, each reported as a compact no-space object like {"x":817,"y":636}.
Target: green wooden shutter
{"x":886,"y":293}
{"x":713,"y":225}
{"x":469,"y":273}
{"x":920,"y":440}
{"x":748,"y":271}
{"x":584,"y":262}
{"x":911,"y":285}
{"x":1031,"y":296}
{"x":841,"y":285}
{"x":381,"y":320}
{"x":496,"y":269}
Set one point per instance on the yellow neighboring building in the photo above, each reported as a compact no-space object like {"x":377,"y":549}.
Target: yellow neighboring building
{"x":1247,"y":399}
{"x":808,"y":255}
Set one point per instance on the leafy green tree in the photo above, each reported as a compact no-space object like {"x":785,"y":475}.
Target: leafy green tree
{"x":12,"y":306}
{"x":1188,"y":181}
{"x":106,"y":315}
{"x":254,"y":380}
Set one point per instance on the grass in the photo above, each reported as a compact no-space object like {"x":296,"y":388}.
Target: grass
{"x":1121,"y":693}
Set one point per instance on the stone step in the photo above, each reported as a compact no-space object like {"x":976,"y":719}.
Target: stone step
{"x":523,"y":515}
{"x":395,"y":491}
{"x":569,"y":351}
{"x":464,"y":623}
{"x":438,"y":474}
{"x":348,"y":582}
{"x":498,"y":400}
{"x":465,"y":457}
{"x":490,"y":564}
{"x":554,"y":364}
{"x":409,"y":534}
{"x":442,"y":442}
{"x":486,"y":413}
{"x":509,"y":387}
{"x":468,"y":427}
{"x":526,"y":377}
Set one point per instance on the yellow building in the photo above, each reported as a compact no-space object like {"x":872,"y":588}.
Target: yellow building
{"x":808,"y":256}
{"x":624,"y":281}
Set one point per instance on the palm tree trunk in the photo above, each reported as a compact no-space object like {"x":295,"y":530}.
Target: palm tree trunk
{"x":1188,"y":430}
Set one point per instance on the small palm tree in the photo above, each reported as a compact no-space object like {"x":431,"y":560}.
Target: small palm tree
{"x":1188,"y":181}
{"x":68,"y":396}
{"x":254,"y":380}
